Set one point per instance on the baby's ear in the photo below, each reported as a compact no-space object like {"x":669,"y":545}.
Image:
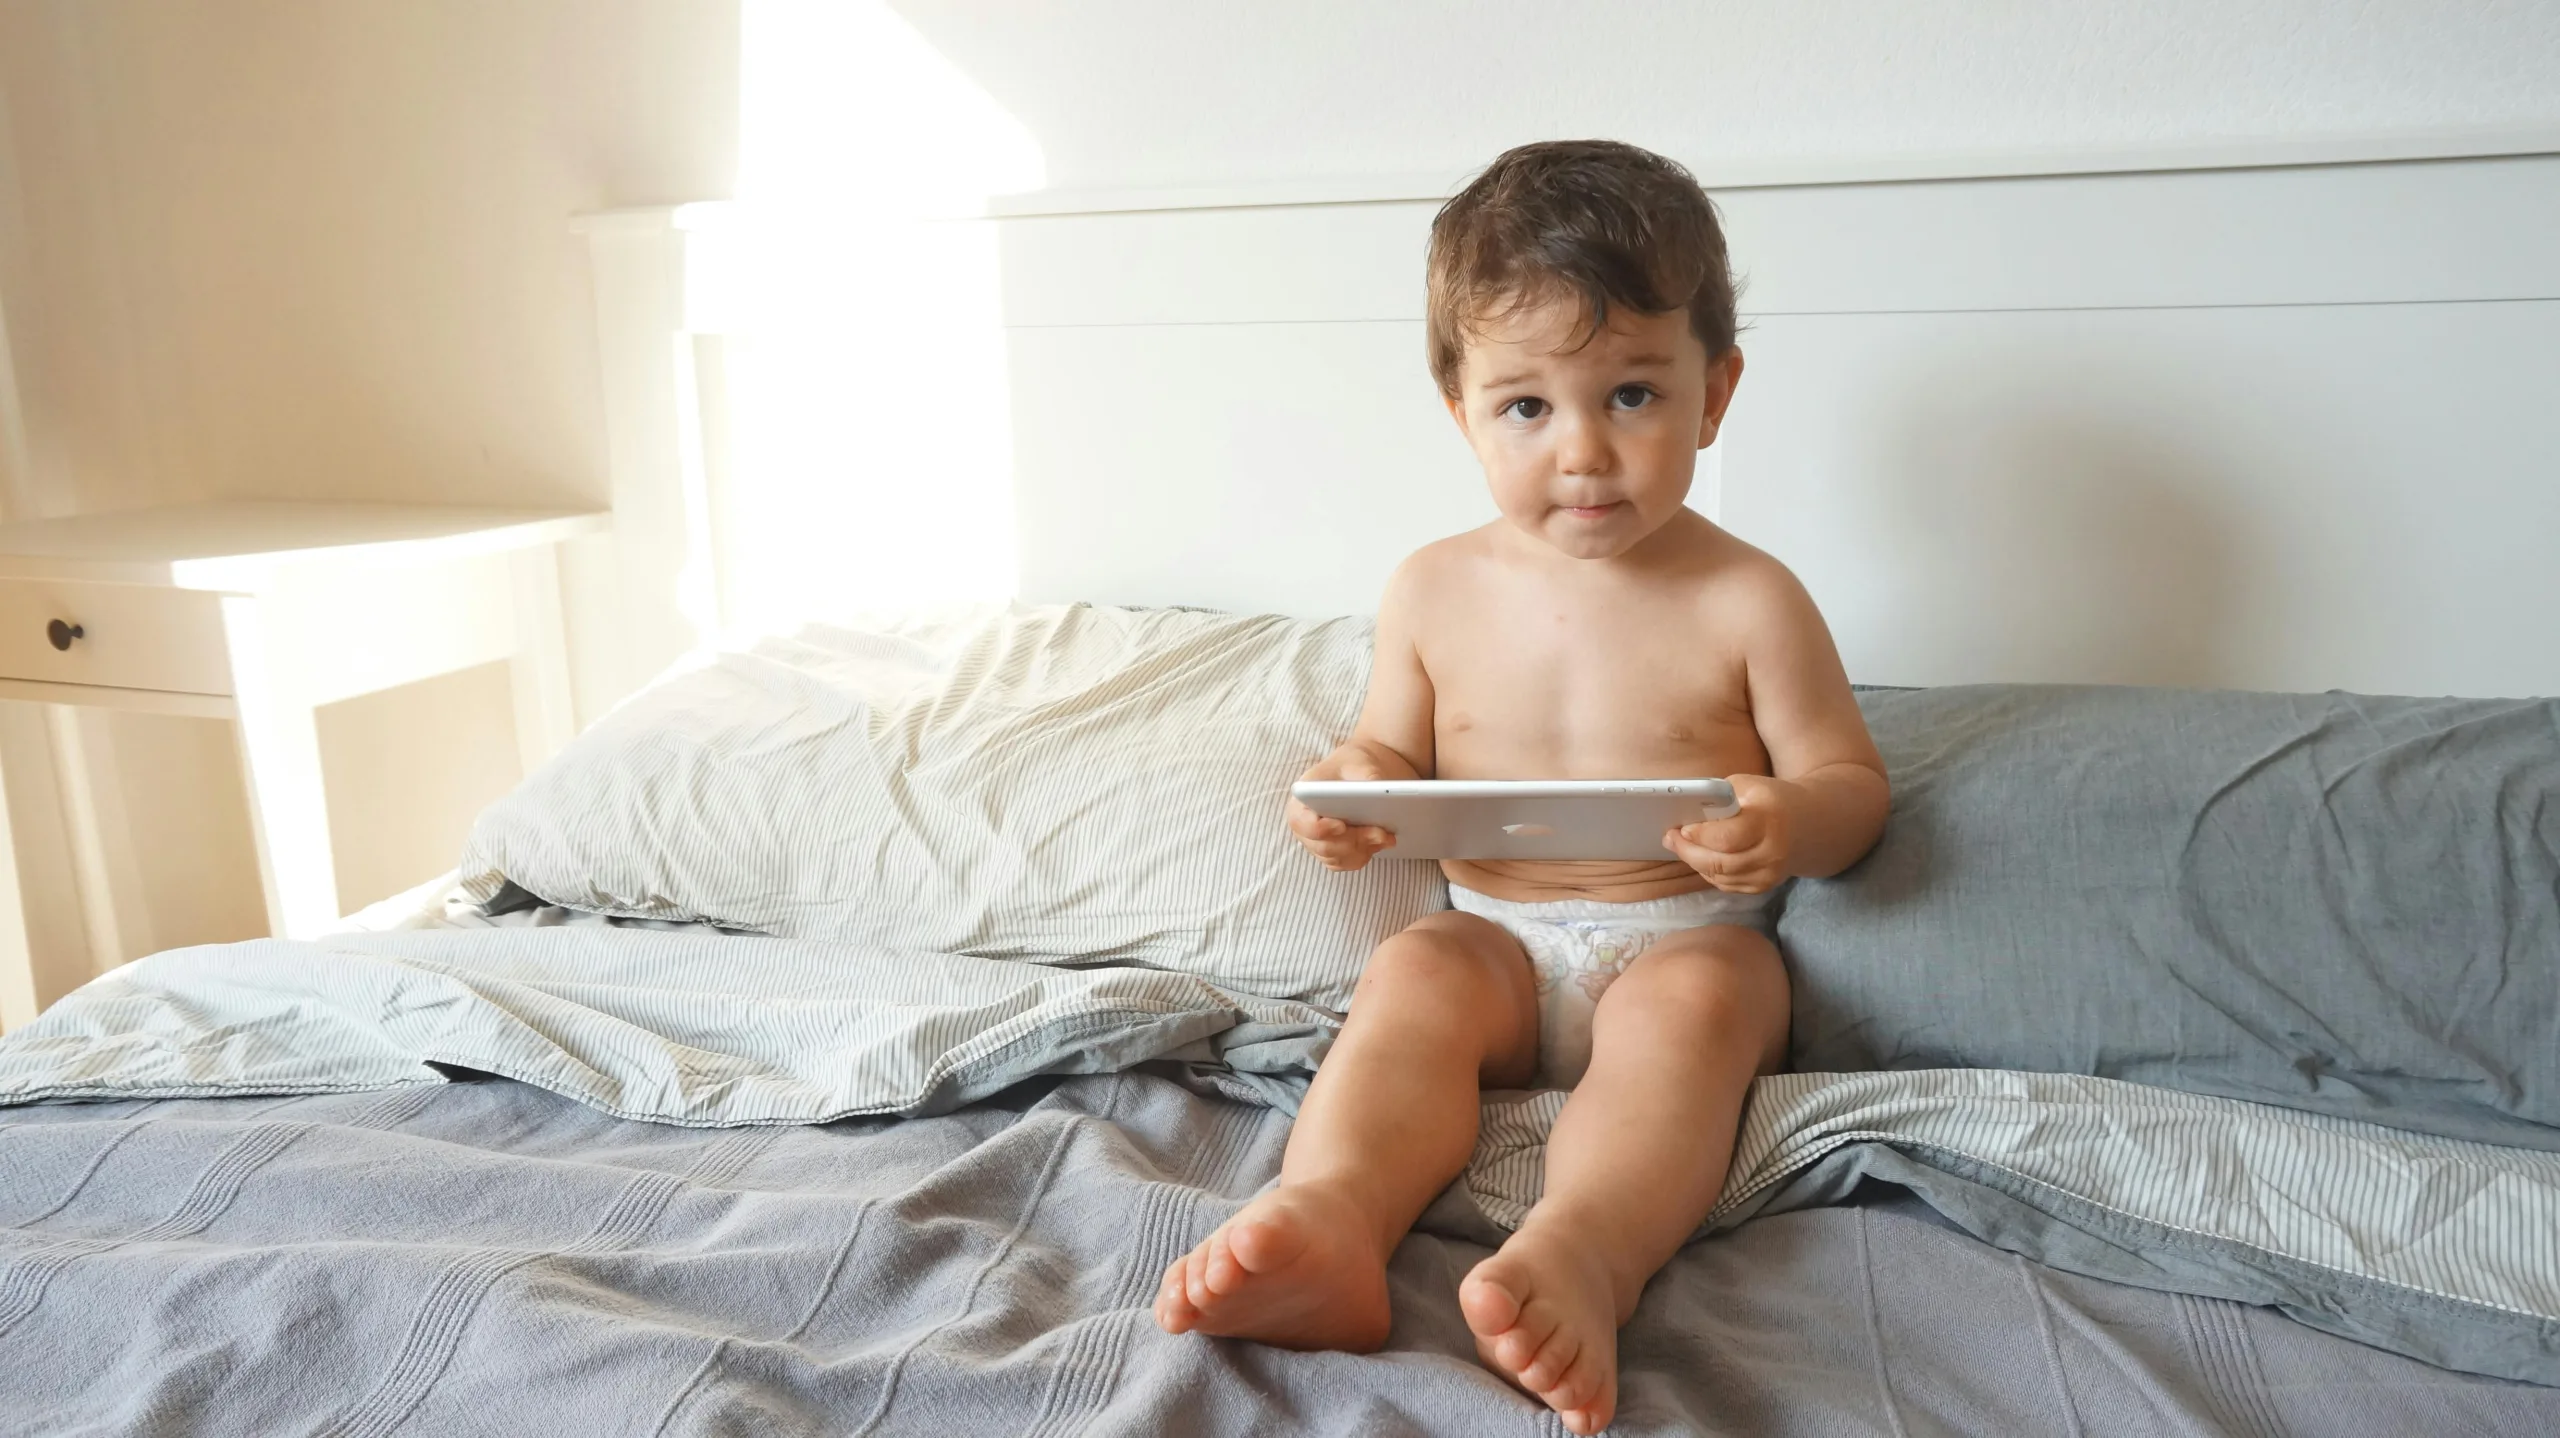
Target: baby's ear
{"x":1458,"y":412}
{"x":1724,"y":373}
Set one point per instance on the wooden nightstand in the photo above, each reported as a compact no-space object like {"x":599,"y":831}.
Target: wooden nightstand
{"x":260,"y":612}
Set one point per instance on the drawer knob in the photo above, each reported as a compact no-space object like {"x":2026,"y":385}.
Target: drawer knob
{"x":62,"y":634}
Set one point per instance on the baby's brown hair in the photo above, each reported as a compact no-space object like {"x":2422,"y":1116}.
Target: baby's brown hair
{"x":1605,"y":222}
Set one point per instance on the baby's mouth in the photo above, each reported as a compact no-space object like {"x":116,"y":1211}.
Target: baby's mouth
{"x":1592,"y":511}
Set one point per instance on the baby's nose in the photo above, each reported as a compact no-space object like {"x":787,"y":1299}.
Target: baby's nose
{"x":1582,"y":448}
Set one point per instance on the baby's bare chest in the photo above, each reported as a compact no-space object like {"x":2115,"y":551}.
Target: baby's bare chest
{"x":1523,"y":691}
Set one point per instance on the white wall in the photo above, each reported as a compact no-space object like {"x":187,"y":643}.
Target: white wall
{"x":301,"y":248}
{"x":2262,"y":428}
{"x":1147,"y":93}
{"x":312,"y":249}
{"x":2267,"y":428}
{"x":2119,"y":413}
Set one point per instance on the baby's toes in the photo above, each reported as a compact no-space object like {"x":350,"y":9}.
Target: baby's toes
{"x":1195,"y":1276}
{"x":1515,"y":1351}
{"x":1221,"y":1272}
{"x":1515,"y":1347}
{"x":1174,"y":1312}
{"x":1587,"y":1392}
{"x":1490,"y":1304}
{"x":1494,"y":1311}
{"x":1545,"y":1374}
{"x":1582,"y":1387}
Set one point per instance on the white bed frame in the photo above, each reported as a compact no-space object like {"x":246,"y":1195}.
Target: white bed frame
{"x":2285,"y":427}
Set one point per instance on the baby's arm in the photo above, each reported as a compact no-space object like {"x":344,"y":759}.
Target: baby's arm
{"x":1825,"y":806}
{"x":1391,"y":741}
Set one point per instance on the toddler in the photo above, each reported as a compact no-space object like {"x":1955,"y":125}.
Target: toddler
{"x":1582,"y":332}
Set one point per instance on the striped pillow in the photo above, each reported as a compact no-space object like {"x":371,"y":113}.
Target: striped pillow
{"x":1056,"y":784}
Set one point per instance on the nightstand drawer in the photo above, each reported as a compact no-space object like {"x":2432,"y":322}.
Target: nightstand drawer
{"x":131,"y":636}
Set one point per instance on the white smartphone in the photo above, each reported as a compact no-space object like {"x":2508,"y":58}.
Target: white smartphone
{"x":1521,"y":818}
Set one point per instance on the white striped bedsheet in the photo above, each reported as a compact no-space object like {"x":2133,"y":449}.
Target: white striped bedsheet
{"x":2463,"y":1222}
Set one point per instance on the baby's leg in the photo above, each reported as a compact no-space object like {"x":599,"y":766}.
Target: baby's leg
{"x":1442,"y":1008}
{"x":1636,"y":1159}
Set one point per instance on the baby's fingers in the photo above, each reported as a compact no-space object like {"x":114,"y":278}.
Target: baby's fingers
{"x":1353,"y":848}
{"x":1743,"y":872}
{"x":1307,"y":824}
{"x":1732,"y":835}
{"x":1692,"y":849}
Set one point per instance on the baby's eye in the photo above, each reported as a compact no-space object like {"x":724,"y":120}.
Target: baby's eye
{"x":1526,"y":407}
{"x":1631,"y":396}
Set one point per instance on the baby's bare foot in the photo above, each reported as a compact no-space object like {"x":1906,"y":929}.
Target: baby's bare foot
{"x":1545,"y":1315}
{"x":1299,"y":1267}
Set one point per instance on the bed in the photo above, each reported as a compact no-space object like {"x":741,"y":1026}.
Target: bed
{"x":779,"y":1060}
{"x":782,"y":1061}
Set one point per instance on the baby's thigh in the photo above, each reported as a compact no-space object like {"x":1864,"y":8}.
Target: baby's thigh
{"x":1723,"y":982}
{"x":1456,"y":971}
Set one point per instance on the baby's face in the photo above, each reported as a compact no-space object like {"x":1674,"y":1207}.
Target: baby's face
{"x":1590,"y":446}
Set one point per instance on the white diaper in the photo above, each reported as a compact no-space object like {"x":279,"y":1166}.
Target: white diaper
{"x":1578,"y":947}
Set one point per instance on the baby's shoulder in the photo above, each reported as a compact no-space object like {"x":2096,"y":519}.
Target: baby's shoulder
{"x":1437,"y":568}
{"x":1738,"y":580}
{"x":1727,"y":561}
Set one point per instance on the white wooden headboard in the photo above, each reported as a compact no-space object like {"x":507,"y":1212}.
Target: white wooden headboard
{"x":2287,"y":428}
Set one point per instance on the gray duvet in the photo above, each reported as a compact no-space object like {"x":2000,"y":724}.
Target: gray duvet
{"x":488,"y":1257}
{"x":700,"y":1191}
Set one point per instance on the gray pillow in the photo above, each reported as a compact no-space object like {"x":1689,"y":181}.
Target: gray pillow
{"x":2338,"y":903}
{"x":1060,"y":784}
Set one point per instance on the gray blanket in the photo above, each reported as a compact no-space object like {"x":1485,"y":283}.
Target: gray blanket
{"x":2436,"y":1248}
{"x":487,"y":1257}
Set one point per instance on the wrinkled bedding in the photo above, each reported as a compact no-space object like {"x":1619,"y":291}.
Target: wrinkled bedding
{"x":485,"y":1256}
{"x":1049,"y":784}
{"x":680,"y":1024}
{"x":2343,"y":903}
{"x":2444,"y":1250}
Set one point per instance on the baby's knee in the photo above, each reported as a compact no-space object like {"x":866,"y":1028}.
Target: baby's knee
{"x":1445,"y":958}
{"x":1453,"y":965}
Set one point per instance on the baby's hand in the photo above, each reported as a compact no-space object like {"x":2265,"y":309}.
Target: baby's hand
{"x":1744,"y":854}
{"x":1342,"y":846}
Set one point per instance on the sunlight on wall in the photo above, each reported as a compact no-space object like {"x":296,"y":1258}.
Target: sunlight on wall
{"x":869,"y":431}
